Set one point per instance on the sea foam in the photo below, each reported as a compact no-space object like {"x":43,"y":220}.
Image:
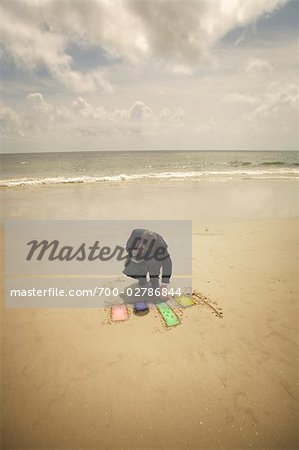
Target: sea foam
{"x":194,"y":175}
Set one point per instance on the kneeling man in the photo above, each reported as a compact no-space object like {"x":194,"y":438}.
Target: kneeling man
{"x":148,"y":254}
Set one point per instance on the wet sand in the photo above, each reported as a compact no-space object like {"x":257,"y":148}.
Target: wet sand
{"x":70,"y":380}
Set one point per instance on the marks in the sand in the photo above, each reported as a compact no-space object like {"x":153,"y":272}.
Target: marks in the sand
{"x":202,"y":356}
{"x":222,"y":352}
{"x":223,"y":381}
{"x":260,"y":355}
{"x":203,"y":300}
{"x":229,"y":418}
{"x":265,"y":356}
{"x":114,"y":362}
{"x":207,"y":232}
{"x":170,"y":312}
{"x":278,"y":335}
{"x":241,"y":404}
{"x":47,"y":407}
{"x":157,"y":330}
{"x":287,"y":388}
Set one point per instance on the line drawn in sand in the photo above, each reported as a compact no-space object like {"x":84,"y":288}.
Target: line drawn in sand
{"x":203,"y":300}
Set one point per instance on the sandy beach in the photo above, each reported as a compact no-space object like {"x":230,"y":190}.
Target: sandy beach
{"x":70,"y":380}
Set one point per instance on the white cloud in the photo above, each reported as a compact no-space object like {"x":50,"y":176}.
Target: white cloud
{"x":85,"y":110}
{"x":87,"y":119}
{"x":256,"y":66}
{"x":43,"y":116}
{"x":139,"y":111}
{"x":26,"y":41}
{"x":278,"y":100}
{"x":35,"y":98}
{"x":270,"y":115}
{"x":236,"y":97}
{"x":83,"y":82}
{"x":176,"y":34}
{"x":275,"y":107}
{"x":10,"y":122}
{"x":183,"y":32}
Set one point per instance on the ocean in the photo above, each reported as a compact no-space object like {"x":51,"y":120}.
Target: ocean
{"x":123,"y":167}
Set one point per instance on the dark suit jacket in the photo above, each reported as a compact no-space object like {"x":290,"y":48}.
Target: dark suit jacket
{"x":166,"y":263}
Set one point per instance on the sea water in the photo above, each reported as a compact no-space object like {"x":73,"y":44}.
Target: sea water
{"x":124,"y":167}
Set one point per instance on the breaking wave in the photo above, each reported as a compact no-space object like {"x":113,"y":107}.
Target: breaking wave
{"x":213,"y":175}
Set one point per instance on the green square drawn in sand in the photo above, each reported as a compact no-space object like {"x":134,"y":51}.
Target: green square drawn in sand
{"x":185,"y":301}
{"x":169,"y":316}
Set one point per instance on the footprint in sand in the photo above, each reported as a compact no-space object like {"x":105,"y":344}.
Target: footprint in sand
{"x":229,"y":418}
{"x":287,"y":388}
{"x":223,"y":381}
{"x":112,"y":363}
{"x":239,"y":399}
{"x":264,"y":358}
{"x":157,"y":330}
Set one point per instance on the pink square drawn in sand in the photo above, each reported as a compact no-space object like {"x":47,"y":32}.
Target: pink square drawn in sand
{"x":118,"y":313}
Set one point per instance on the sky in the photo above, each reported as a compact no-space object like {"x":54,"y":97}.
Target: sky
{"x":88,"y":75}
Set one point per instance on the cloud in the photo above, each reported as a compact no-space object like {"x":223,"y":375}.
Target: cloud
{"x":10,"y":122}
{"x":278,"y":100}
{"x":87,"y":111}
{"x":257,"y":66}
{"x":139,"y":111}
{"x":236,"y":97}
{"x":43,"y":116}
{"x":87,"y":119}
{"x":176,"y":35}
{"x":274,"y":110}
{"x":183,"y":32}
{"x":274,"y":107}
{"x":31,"y":43}
{"x":268,"y":115}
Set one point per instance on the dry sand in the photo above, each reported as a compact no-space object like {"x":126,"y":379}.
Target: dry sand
{"x":71,"y":381}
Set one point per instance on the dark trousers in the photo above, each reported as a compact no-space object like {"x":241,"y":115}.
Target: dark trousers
{"x":140,"y":270}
